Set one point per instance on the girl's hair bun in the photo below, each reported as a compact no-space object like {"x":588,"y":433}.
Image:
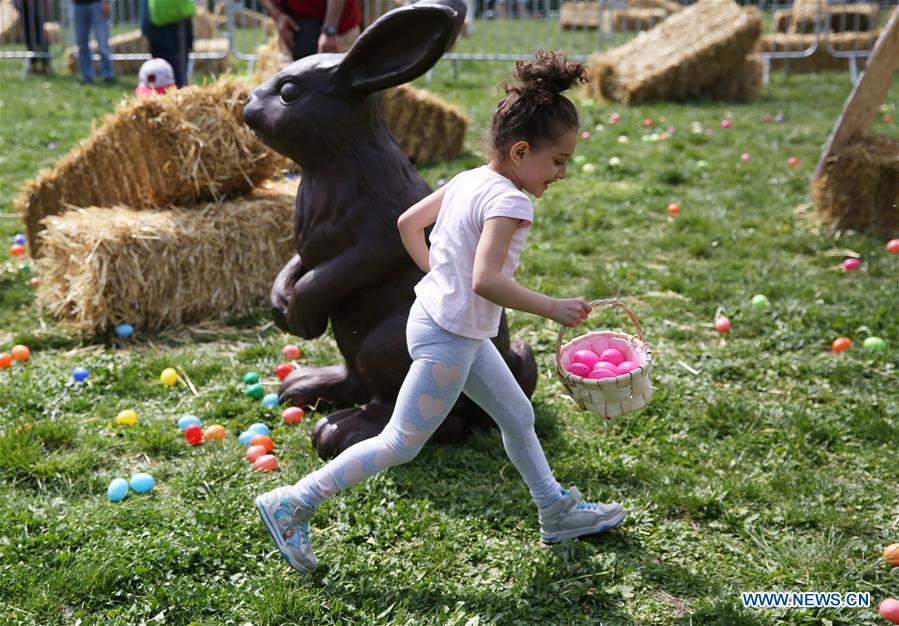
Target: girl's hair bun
{"x":546,"y":76}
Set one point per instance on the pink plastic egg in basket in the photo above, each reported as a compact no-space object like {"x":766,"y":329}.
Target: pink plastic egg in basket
{"x":609,"y":397}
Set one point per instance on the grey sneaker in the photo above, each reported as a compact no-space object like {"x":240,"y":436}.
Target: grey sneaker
{"x":287,"y":521}
{"x":570,"y":517}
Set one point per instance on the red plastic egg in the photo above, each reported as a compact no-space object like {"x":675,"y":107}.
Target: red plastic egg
{"x":850,"y":265}
{"x":17,"y":250}
{"x":266,"y":463}
{"x":254,"y":452}
{"x":193,"y":434}
{"x":293,"y":415}
{"x":5,"y":360}
{"x":793,"y":161}
{"x":283,"y":370}
{"x":263,"y":440}
{"x":722,"y":324}
{"x":674,"y":208}
{"x":841,"y":344}
{"x":290,"y":351}
{"x":893,"y":246}
{"x":889,"y":609}
{"x":647,"y":123}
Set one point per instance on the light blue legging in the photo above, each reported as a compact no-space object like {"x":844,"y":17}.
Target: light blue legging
{"x":85,"y":17}
{"x":444,"y":364}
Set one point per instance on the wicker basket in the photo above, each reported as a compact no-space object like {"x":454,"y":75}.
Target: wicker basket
{"x":609,"y":397}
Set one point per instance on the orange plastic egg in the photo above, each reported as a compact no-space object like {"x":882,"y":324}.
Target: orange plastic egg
{"x":21,"y":353}
{"x":841,"y":344}
{"x":214,"y":432}
{"x":891,"y":554}
{"x":266,"y":463}
{"x":17,"y":250}
{"x":674,"y":208}
{"x":263,"y":440}
{"x":5,"y":360}
{"x":293,"y":415}
{"x":254,"y":452}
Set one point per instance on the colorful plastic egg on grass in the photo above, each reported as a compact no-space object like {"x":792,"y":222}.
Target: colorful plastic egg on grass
{"x":587,"y":357}
{"x":266,"y":463}
{"x":80,"y":374}
{"x":271,"y":401}
{"x":259,"y":428}
{"x":19,"y":239}
{"x":255,"y":451}
{"x":759,"y":301}
{"x":841,"y":344}
{"x":126,"y":418}
{"x":889,"y":609}
{"x":780,"y":117}
{"x":674,"y":208}
{"x":117,"y":489}
{"x":614,"y":161}
{"x":726,"y":123}
{"x":891,"y":554}
{"x":250,"y":378}
{"x":291,"y":352}
{"x":142,"y":483}
{"x":17,"y":250}
{"x":283,"y":370}
{"x":21,"y":353}
{"x":189,"y":420}
{"x":893,"y":246}
{"x":850,"y":265}
{"x":588,"y":168}
{"x":746,"y":157}
{"x":245,"y":437}
{"x":124,"y":330}
{"x":169,"y":377}
{"x":193,"y":434}
{"x":293,"y":415}
{"x":585,"y":135}
{"x":722,"y":324}
{"x":5,"y":360}
{"x":263,"y":440}
{"x":874,"y":344}
{"x":255,"y":391}
{"x":793,"y":161}
{"x":214,"y":432}
{"x":34,"y":281}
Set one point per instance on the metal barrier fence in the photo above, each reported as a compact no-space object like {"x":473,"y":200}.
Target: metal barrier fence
{"x":797,"y":31}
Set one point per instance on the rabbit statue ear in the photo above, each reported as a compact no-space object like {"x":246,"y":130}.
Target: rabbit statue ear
{"x":401,"y":45}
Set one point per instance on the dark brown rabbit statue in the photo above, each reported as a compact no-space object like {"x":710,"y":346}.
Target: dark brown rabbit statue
{"x":324,"y":112}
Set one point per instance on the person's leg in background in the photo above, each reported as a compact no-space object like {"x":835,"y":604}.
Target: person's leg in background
{"x":32,"y":23}
{"x":305,"y":39}
{"x":101,"y":31}
{"x":81,"y":21}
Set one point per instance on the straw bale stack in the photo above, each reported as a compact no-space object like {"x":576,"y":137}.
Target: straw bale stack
{"x":743,"y":84}
{"x":218,"y":47}
{"x":206,"y":25}
{"x":586,"y":15}
{"x":426,"y":127}
{"x":132,"y":42}
{"x":859,"y":187}
{"x":247,"y":18}
{"x":669,"y":6}
{"x":678,"y":58}
{"x":627,"y":20}
{"x":9,"y":23}
{"x":820,"y":60}
{"x":842,"y":18}
{"x":581,"y":14}
{"x":270,"y":58}
{"x":160,"y":269}
{"x":185,"y":146}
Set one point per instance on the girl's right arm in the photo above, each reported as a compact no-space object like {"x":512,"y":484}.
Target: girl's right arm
{"x":413,"y":222}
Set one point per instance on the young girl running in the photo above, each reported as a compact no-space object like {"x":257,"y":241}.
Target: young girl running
{"x":481,"y":218}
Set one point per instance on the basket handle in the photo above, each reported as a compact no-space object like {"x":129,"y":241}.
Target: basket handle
{"x":594,"y":305}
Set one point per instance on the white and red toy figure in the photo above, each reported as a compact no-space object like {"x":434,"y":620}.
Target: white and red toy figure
{"x":156,"y":76}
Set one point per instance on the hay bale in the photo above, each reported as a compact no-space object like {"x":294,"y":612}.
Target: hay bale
{"x":186,"y":146}
{"x":9,"y":23}
{"x":579,"y":15}
{"x":219,"y":47}
{"x":839,"y":18}
{"x":132,"y":42}
{"x":669,"y":6}
{"x":820,"y":60}
{"x":270,"y":58}
{"x":679,"y":57}
{"x":426,"y":127}
{"x":206,"y":25}
{"x":859,"y":187}
{"x":743,"y":84}
{"x":53,"y":32}
{"x":627,"y":20}
{"x":161,"y":269}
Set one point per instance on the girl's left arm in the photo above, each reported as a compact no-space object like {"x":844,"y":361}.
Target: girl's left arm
{"x":413,"y":222}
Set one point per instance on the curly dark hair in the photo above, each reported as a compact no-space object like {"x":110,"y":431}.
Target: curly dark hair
{"x":535,"y":110}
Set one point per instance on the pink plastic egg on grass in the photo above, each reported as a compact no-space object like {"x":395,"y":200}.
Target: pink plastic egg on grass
{"x":256,"y":451}
{"x":745,"y":157}
{"x":602,"y":373}
{"x":266,"y":463}
{"x":290,"y":351}
{"x":578,"y":369}
{"x":722,"y":324}
{"x":293,"y":415}
{"x":612,"y":355}
{"x":850,"y":265}
{"x":889,"y":609}
{"x":626,"y":366}
{"x":726,"y":123}
{"x":793,"y":161}
{"x":587,"y":357}
{"x":193,"y":434}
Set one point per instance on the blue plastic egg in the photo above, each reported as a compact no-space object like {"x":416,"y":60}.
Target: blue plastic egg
{"x":142,"y":483}
{"x":124,"y":330}
{"x":271,"y":401}
{"x":259,"y":428}
{"x":186,"y":420}
{"x":117,"y":489}
{"x":246,"y":437}
{"x":19,"y":239}
{"x":80,"y":374}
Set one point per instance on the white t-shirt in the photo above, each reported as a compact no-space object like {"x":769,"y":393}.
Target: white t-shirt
{"x":445,"y":292}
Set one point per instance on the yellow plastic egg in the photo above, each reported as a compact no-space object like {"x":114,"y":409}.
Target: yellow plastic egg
{"x":169,"y":377}
{"x":126,"y":418}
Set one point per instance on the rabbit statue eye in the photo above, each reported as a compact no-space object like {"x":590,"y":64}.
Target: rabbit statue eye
{"x":290,"y":92}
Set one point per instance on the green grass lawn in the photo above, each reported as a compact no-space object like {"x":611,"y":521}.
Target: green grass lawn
{"x":765,"y":463}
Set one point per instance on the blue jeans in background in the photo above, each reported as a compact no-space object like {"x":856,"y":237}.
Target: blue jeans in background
{"x":85,"y":17}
